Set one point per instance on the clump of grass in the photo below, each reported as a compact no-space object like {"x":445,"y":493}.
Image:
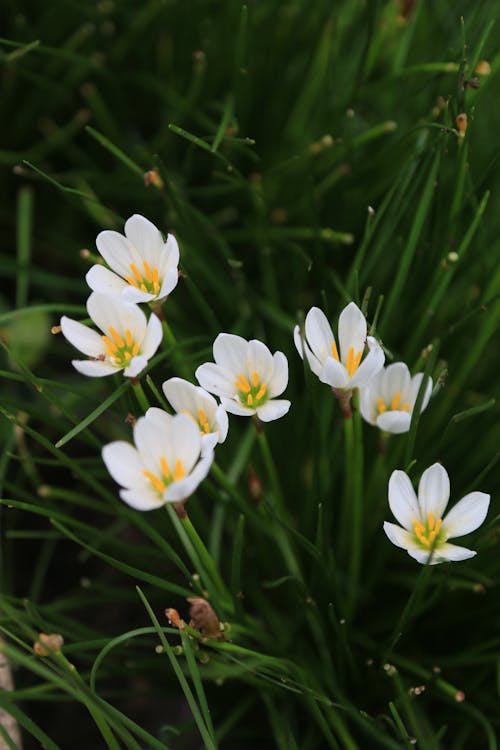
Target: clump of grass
{"x":302,"y":154}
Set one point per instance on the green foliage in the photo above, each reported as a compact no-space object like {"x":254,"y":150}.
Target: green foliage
{"x":304,"y":154}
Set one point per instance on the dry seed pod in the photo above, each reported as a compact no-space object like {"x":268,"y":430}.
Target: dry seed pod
{"x":204,"y":619}
{"x":48,"y":643}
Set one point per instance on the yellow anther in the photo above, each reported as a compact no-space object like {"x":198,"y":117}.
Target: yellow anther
{"x":255,"y":379}
{"x":116,"y":336}
{"x":381,"y":407}
{"x":165,"y":468}
{"x":157,"y":483}
{"x":352,"y":362}
{"x":128,"y":337}
{"x":202,"y":418}
{"x":179,"y":470}
{"x":250,"y":399}
{"x":143,"y":287}
{"x":335,"y":353}
{"x":428,"y":533}
{"x":405,"y":407}
{"x":260,"y":393}
{"x":111,"y":346}
{"x":395,"y":401}
{"x":135,"y":349}
{"x":431,"y":521}
{"x":147,"y":271}
{"x":136,"y":272}
{"x":242,"y":383}
{"x":131,"y":281}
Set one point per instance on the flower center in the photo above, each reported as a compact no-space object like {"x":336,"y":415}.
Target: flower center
{"x":395,"y":404}
{"x":252,"y":393}
{"x":119,"y":350}
{"x":148,"y":281}
{"x":202,"y":420}
{"x":166,"y":477}
{"x":427,"y":535}
{"x":352,"y":361}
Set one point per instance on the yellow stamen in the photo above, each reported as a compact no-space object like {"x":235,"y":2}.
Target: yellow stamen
{"x":143,"y":287}
{"x":179,"y":470}
{"x":111,"y":346}
{"x":136,"y":272}
{"x":116,"y":336}
{"x":405,"y":407}
{"x":165,"y":468}
{"x":147,"y":271}
{"x":250,"y":399}
{"x":431,"y":521}
{"x":135,"y":349}
{"x":131,"y":281}
{"x":335,"y":353}
{"x":242,"y":383}
{"x":255,"y":379}
{"x":202,"y":417}
{"x":428,"y":533}
{"x":157,"y":483}
{"x":381,"y":407}
{"x":260,"y":393}
{"x":128,"y":337}
{"x":395,"y":401}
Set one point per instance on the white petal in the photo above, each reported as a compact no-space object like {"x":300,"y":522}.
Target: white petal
{"x":396,"y":422}
{"x":169,"y":258}
{"x":319,"y":334}
{"x":424,"y":557}
{"x":94,"y":368}
{"x":102,"y":280}
{"x":108,"y":311}
{"x":116,"y":251}
{"x":467,"y":515}
{"x":136,"y":296}
{"x":372,"y":363}
{"x":208,"y":443}
{"x":453,"y":553}
{"x":415,"y":387}
{"x":334,"y":373}
{"x":273,"y":409}
{"x":145,"y":237}
{"x":151,"y":434}
{"x":302,"y":347}
{"x":259,"y":359}
{"x":402,"y":500}
{"x":135,"y":366}
{"x":123,"y":463}
{"x":222,"y":422}
{"x":142,"y":499}
{"x":169,"y":283}
{"x":215,"y":379}
{"x":181,"y":394}
{"x":279,"y":379}
{"x":433,"y":491}
{"x":395,"y":379}
{"x":83,"y":338}
{"x":368,"y":402}
{"x":230,"y":353}
{"x":187,"y":440}
{"x":153,"y":336}
{"x":235,"y":407}
{"x":398,"y":536}
{"x":352,"y":331}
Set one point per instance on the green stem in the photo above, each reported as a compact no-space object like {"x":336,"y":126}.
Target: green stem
{"x":141,"y":396}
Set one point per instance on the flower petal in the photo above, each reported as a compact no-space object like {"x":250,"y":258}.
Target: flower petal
{"x":433,"y":491}
{"x":319,"y":334}
{"x":368,"y":400}
{"x":453,"y":553}
{"x":108,"y":311}
{"x":467,"y":515}
{"x":402,"y":499}
{"x":352,"y":331}
{"x":186,"y":439}
{"x":153,"y":336}
{"x":398,"y":536}
{"x":372,"y":363}
{"x":116,"y":251}
{"x":415,"y":387}
{"x":169,"y":258}
{"x":260,"y":360}
{"x":396,"y":422}
{"x":303,"y":348}
{"x":230,"y":353}
{"x":215,"y":379}
{"x":181,"y":490}
{"x":146,"y":238}
{"x":135,"y":366}
{"x":83,"y":338}
{"x":169,"y":283}
{"x":334,"y":373}
{"x":142,"y":498}
{"x":123,"y":462}
{"x":94,"y":368}
{"x":279,"y":379}
{"x":395,"y":379}
{"x":136,"y":296}
{"x":104,"y":281}
{"x":273,"y":409}
{"x":223,"y":423}
{"x":235,"y":407}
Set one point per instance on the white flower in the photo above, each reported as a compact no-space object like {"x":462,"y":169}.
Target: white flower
{"x":211,"y":418}
{"x":425,"y":532}
{"x":246,"y":377}
{"x":144,"y":265}
{"x":342,"y":369}
{"x":389,"y":398}
{"x":128,"y":342}
{"x":165,"y":466}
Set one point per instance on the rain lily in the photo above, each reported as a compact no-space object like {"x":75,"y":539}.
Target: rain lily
{"x":211,"y":418}
{"x":164,"y":466}
{"x":389,"y":398}
{"x":425,"y":532}
{"x":143,"y":266}
{"x":342,"y":368}
{"x":128,"y":340}
{"x":246,"y":377}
